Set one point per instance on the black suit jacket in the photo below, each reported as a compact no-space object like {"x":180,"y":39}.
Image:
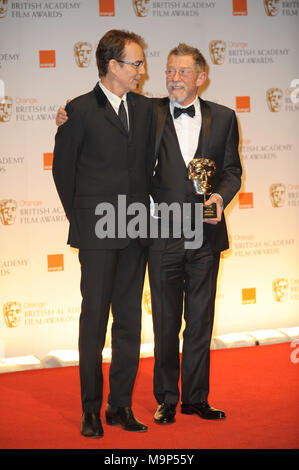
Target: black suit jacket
{"x":96,"y":160}
{"x":218,"y":140}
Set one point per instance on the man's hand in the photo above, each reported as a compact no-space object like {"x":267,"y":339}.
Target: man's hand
{"x":218,"y":200}
{"x":61,"y":116}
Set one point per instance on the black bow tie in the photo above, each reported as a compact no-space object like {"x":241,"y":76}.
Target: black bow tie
{"x":178,"y":111}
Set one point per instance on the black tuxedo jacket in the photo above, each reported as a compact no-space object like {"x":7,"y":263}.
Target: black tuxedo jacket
{"x":218,"y":140}
{"x":96,"y":160}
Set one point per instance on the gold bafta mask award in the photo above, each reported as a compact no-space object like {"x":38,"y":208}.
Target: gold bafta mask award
{"x":201,"y":172}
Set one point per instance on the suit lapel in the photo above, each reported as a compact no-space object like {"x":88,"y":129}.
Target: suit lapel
{"x":100,"y":96}
{"x":111,"y":115}
{"x":131,"y":110}
{"x":162,"y":107}
{"x":205,"y":131}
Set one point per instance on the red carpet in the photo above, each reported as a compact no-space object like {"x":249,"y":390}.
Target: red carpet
{"x":257,"y":387}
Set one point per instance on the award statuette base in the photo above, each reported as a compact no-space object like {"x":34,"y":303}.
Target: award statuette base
{"x":210,"y":212}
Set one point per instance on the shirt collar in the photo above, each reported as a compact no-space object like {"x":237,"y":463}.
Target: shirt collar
{"x":114,"y":99}
{"x":196,"y":104}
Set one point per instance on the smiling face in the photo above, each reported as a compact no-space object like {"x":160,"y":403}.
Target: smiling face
{"x":183,"y":78}
{"x":127,"y":77}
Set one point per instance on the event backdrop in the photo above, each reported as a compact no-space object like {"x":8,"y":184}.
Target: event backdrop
{"x":47,"y":55}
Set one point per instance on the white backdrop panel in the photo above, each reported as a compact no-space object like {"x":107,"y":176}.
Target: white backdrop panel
{"x":40,"y":280}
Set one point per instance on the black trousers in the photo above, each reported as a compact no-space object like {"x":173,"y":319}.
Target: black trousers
{"x":110,"y":277}
{"x":182,"y":281}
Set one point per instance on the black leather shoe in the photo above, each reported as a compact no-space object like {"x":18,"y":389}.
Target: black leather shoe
{"x":123,"y":415}
{"x":91,"y":425}
{"x":202,"y":409}
{"x":165,"y":414}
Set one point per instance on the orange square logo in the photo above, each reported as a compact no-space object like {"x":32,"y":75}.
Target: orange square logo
{"x":55,"y":263}
{"x":243,"y":104}
{"x":48,"y":161}
{"x":47,"y":59}
{"x":249,"y":295}
{"x":239,"y":7}
{"x":106,"y":7}
{"x":245,"y":200}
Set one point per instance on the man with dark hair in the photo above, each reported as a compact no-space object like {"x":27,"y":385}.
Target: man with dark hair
{"x":101,"y":152}
{"x":111,"y":47}
{"x":183,"y":279}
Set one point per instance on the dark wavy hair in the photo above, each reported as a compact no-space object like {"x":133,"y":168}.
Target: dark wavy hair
{"x":112,"y":46}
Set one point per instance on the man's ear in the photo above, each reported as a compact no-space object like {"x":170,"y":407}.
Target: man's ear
{"x":113,"y":66}
{"x":201,"y":79}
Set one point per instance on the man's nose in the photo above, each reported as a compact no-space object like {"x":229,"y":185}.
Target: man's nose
{"x":177,"y":76}
{"x":141,"y":69}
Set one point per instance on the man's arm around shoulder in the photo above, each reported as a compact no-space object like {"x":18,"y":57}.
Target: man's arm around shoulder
{"x":68,"y":140}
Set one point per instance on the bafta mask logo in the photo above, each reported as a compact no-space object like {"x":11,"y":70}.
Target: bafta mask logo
{"x":277,"y":194}
{"x":5,"y":108}
{"x":201,"y":172}
{"x":82,"y":53}
{"x":274,"y":99}
{"x":3,"y":8}
{"x":8,"y":211}
{"x":141,"y":7}
{"x":280,"y":289}
{"x":12,"y":314}
{"x":271,"y":7}
{"x":147,"y":302}
{"x":217,"y":51}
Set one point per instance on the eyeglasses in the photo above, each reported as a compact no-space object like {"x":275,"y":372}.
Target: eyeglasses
{"x":137,"y":64}
{"x":183,"y":72}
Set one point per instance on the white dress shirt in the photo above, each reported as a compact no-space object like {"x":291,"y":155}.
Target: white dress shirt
{"x":187,"y":129}
{"x":114,"y":99}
